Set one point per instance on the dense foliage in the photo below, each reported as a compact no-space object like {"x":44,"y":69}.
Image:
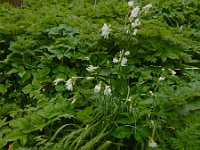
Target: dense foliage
{"x":141,"y":91}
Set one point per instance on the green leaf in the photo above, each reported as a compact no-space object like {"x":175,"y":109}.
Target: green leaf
{"x":36,"y":84}
{"x":172,"y":55}
{"x":84,"y":115}
{"x":3,"y":142}
{"x":2,"y":122}
{"x":27,"y":89}
{"x":122,"y":132}
{"x":26,"y":76}
{"x":148,"y":101}
{"x":105,"y":145}
{"x":3,"y":89}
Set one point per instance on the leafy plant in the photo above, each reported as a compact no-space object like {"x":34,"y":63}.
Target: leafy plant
{"x":99,"y":75}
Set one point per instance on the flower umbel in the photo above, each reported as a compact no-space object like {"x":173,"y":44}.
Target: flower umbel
{"x":107,"y":90}
{"x":69,"y":85}
{"x":91,"y":68}
{"x":105,"y":31}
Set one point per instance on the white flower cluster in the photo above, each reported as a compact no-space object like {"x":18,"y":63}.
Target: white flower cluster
{"x":107,"y":91}
{"x":106,"y":29}
{"x":135,"y":12}
{"x":70,"y":82}
{"x":122,"y":60}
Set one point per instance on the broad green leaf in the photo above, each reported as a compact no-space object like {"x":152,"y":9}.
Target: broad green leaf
{"x":3,"y":89}
{"x":36,"y":84}
{"x":2,"y":122}
{"x":84,"y":115}
{"x":122,"y":132}
{"x":27,"y":89}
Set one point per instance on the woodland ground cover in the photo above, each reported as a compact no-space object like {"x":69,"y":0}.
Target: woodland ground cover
{"x":96,"y":74}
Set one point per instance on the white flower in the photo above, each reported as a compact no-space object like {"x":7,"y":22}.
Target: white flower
{"x":130,"y":3}
{"x":69,"y":85}
{"x":124,"y":61}
{"x":91,"y":68}
{"x":97,"y":88}
{"x":56,"y":81}
{"x":147,"y":8}
{"x":105,"y":31}
{"x":161,"y":79}
{"x":127,"y":53}
{"x":107,"y":90}
{"x":152,"y":144}
{"x":172,"y":72}
{"x":115,"y":60}
{"x":136,"y":23}
{"x":135,"y":31}
{"x":135,"y":12}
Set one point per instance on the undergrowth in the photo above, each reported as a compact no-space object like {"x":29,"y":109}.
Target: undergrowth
{"x":89,"y":74}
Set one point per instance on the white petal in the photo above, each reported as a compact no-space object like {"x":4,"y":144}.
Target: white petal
{"x":105,"y":31}
{"x":115,"y":60}
{"x":135,"y":31}
{"x":135,"y":12}
{"x":69,"y":85}
{"x":91,"y":68}
{"x":147,"y":8}
{"x":97,"y":88}
{"x":107,"y":91}
{"x":130,"y":3}
{"x":152,"y":144}
{"x":127,"y":53}
{"x":161,"y":79}
{"x":124,"y":61}
{"x":56,"y":81}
